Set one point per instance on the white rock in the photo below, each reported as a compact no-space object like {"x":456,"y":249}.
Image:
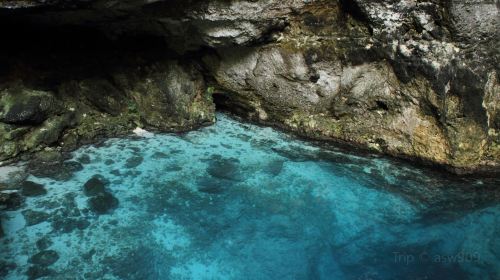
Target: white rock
{"x":143,"y":133}
{"x":6,"y":172}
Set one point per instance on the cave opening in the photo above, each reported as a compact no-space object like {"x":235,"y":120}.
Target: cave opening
{"x":224,"y":102}
{"x":54,"y":53}
{"x":353,"y":9}
{"x":82,"y":82}
{"x":221,"y":101}
{"x":122,"y":154}
{"x":230,"y":103}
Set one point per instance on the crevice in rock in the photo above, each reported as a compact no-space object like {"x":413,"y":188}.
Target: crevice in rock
{"x":382,"y":105}
{"x":351,"y":7}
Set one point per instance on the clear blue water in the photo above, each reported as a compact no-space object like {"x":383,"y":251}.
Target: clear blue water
{"x":238,"y":201}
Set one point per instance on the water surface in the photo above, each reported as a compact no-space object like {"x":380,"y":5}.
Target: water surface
{"x":238,"y":201}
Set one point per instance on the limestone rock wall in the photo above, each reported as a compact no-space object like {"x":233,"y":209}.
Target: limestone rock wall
{"x":413,"y":79}
{"x":407,"y":78}
{"x":50,"y":109}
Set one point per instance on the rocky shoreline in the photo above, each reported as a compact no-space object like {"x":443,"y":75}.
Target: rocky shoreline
{"x":418,"y":81}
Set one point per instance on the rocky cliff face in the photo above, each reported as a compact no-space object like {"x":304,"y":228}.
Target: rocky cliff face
{"x":413,"y":79}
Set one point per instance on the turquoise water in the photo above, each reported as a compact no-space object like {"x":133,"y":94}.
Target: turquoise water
{"x":238,"y":201}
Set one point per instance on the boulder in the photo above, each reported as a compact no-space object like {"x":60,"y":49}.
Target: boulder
{"x":6,"y":267}
{"x":134,"y":161}
{"x":53,"y":164}
{"x":38,"y":271}
{"x":103,"y":203}
{"x":94,"y":186}
{"x":29,"y":188}
{"x":34,"y":217}
{"x":43,"y":243}
{"x":10,"y":201}
{"x":23,"y":106}
{"x":44,"y":258}
{"x":224,"y":168}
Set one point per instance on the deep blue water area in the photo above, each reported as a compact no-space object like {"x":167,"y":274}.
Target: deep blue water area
{"x":238,"y":201}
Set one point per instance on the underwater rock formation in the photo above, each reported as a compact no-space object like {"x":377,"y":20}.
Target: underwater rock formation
{"x":286,"y":207}
{"x":412,"y":79}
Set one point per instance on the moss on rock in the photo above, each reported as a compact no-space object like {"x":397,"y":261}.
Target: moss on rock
{"x":23,"y":106}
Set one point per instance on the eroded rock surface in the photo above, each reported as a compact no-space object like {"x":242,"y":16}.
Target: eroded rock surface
{"x":409,"y":79}
{"x":414,"y":79}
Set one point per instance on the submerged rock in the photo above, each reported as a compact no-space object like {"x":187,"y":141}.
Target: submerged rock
{"x":6,"y":267}
{"x":34,"y":217}
{"x":134,"y":161}
{"x":274,"y":167}
{"x":94,"y":186}
{"x":44,"y":258}
{"x":68,"y":216}
{"x":29,"y":188}
{"x":224,"y":168}
{"x":103,"y":203}
{"x":71,"y":166}
{"x":212,"y":185}
{"x":10,"y":201}
{"x":37,"y":271}
{"x":173,"y":168}
{"x":159,"y":155}
{"x":84,"y":159}
{"x":44,"y":243}
{"x":68,"y":224}
{"x":52,"y":164}
{"x":140,"y":263}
